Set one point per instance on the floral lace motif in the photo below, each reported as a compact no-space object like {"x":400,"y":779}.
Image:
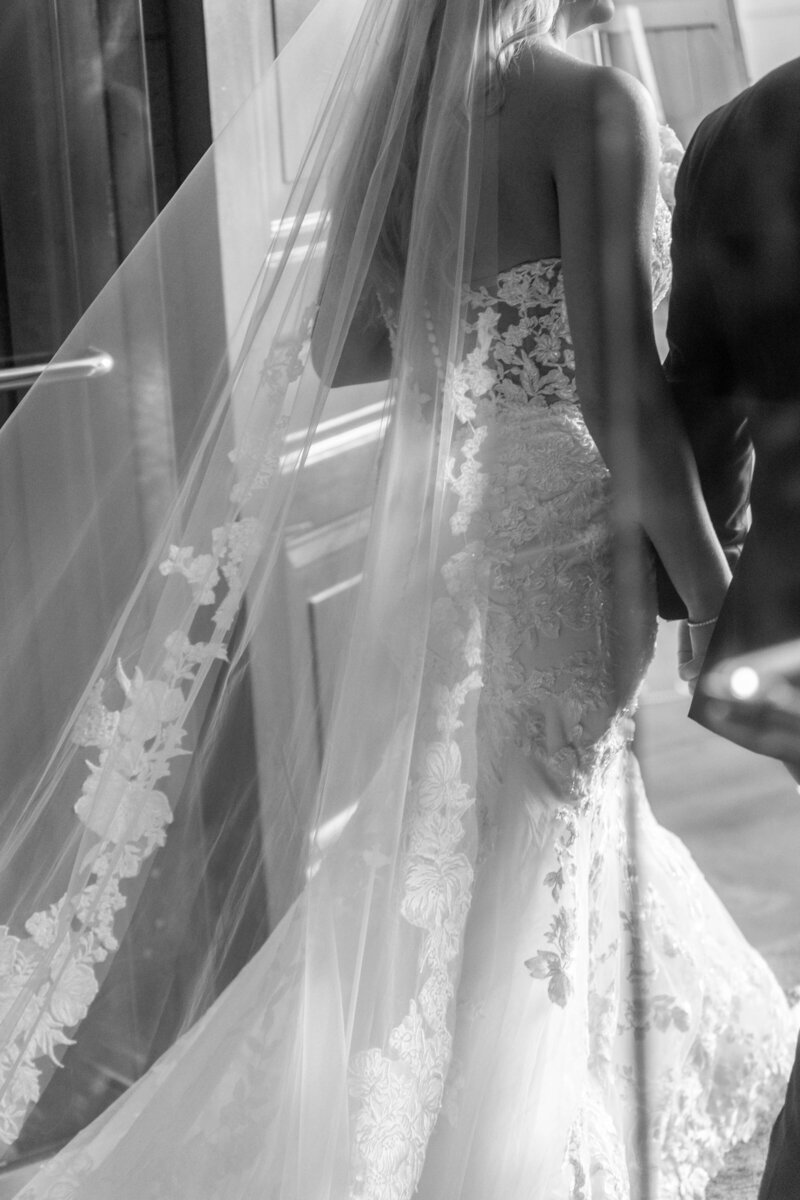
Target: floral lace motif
{"x":526,"y":628}
{"x":526,"y":480}
{"x":543,"y":496}
{"x":522,"y":638}
{"x":47,"y":979}
{"x":399,"y":1088}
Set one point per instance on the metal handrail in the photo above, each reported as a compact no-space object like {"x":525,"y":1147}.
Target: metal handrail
{"x":98,"y":363}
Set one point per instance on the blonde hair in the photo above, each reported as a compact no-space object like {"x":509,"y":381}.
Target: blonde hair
{"x":518,"y":21}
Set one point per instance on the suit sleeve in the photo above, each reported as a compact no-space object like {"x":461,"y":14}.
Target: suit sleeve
{"x":699,"y":368}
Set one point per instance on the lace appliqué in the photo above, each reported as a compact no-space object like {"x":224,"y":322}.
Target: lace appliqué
{"x":47,"y":979}
{"x":526,"y":475}
{"x":399,"y":1088}
{"x":660,"y":261}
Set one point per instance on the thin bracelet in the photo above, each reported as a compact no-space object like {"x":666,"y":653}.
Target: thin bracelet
{"x":701,"y":624}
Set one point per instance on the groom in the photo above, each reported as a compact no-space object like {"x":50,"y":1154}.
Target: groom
{"x":734,"y":366}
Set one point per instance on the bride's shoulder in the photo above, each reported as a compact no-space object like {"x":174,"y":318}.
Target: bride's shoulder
{"x":575,"y":85}
{"x":585,"y":96}
{"x":593,"y":86}
{"x":561,"y":102}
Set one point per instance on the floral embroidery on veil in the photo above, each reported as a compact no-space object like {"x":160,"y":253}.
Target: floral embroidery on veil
{"x":120,"y":803}
{"x":399,"y":1095}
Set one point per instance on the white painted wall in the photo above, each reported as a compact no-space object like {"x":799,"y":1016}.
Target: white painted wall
{"x":771,"y":31}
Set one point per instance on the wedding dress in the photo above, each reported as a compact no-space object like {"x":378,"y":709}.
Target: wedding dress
{"x":559,"y":942}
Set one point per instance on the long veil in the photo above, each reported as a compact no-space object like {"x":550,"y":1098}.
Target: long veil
{"x":219,"y":578}
{"x":252,"y":790}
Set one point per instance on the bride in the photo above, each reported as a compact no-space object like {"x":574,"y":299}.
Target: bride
{"x":495,"y":977}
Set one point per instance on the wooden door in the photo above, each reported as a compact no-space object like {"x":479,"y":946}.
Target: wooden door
{"x":301,"y":643}
{"x":697,"y":55}
{"x":688,"y":53}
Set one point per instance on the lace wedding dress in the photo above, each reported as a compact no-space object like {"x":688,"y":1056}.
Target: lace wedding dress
{"x":551,"y":965}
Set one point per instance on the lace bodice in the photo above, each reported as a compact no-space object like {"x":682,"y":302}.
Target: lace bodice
{"x":537,"y":489}
{"x":529,"y":640}
{"x":533,"y":357}
{"x":660,"y":260}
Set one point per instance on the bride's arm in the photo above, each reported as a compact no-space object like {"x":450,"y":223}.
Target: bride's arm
{"x":617,"y":234}
{"x":366,"y":352}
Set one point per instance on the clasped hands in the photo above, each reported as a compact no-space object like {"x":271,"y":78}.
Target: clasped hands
{"x":693,"y":643}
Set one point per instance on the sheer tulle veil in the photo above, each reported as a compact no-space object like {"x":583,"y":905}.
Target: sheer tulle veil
{"x":185,"y":800}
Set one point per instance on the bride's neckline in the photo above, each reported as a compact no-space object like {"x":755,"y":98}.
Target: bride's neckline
{"x":520,"y":267}
{"x":530,"y":262}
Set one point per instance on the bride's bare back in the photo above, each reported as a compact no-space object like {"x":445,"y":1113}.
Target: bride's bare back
{"x":545,"y":147}
{"x":563,"y":126}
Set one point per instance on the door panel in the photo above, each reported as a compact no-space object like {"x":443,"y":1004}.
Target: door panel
{"x":688,"y":53}
{"x":698,"y":56}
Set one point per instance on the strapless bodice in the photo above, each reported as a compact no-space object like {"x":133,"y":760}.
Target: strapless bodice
{"x":518,"y":330}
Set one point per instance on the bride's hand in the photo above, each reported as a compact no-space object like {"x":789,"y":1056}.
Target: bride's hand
{"x":693,"y":642}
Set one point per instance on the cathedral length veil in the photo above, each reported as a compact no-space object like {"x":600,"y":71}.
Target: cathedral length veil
{"x":163,"y":806}
{"x":213,"y":858}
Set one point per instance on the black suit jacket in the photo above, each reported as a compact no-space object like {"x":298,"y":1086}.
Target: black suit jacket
{"x":734,"y":359}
